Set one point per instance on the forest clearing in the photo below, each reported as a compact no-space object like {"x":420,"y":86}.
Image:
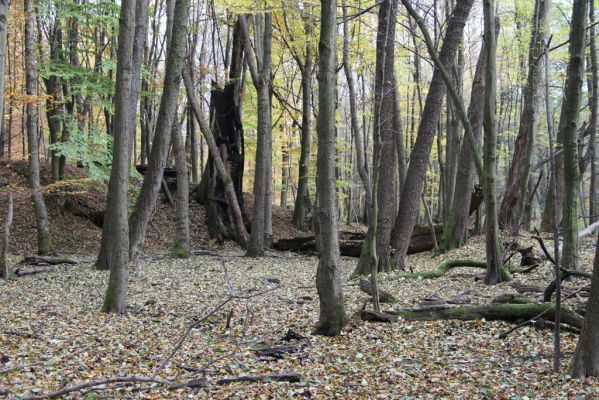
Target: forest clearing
{"x":299,"y":199}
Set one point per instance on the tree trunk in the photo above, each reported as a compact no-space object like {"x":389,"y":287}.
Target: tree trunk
{"x":412,"y":188}
{"x":259,"y":64}
{"x":494,"y":247}
{"x":515,"y":194}
{"x":132,"y":60}
{"x":456,"y":228}
{"x":328,"y":276}
{"x":115,"y":235}
{"x":44,"y":239}
{"x":6,"y":240}
{"x":4,"y":8}
{"x":586,"y":358}
{"x":567,"y":134}
{"x":148,"y":196}
{"x":353,"y":111}
{"x":221,"y":170}
{"x":594,"y":105}
{"x":181,"y":247}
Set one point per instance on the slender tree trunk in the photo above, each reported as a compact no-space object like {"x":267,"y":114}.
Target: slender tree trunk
{"x":328,"y":275}
{"x":456,"y":229}
{"x":353,"y":110}
{"x":494,"y":247}
{"x":259,"y":64}
{"x":146,"y":201}
{"x":594,"y":104}
{"x":181,"y":247}
{"x":567,"y":134}
{"x":44,"y":239}
{"x":131,"y":60}
{"x":5,"y":240}
{"x":115,"y":235}
{"x":515,"y":194}
{"x":4,"y":8}
{"x":412,"y":188}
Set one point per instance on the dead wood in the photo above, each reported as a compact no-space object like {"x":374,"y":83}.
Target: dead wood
{"x":384,"y":296}
{"x":377,"y":316}
{"x":283,"y":377}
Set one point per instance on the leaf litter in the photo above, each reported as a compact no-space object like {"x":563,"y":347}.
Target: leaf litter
{"x":52,"y":334}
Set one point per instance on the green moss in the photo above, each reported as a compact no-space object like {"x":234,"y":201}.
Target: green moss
{"x":448,"y":242}
{"x":45,"y":244}
{"x":180,"y":251}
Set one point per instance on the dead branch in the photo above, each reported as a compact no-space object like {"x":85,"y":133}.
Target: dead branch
{"x":283,"y":377}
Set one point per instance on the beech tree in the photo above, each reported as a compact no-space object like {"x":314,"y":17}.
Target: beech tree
{"x":44,"y":238}
{"x":328,"y":275}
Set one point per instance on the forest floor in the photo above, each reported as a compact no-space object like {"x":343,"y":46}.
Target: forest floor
{"x":52,"y":333}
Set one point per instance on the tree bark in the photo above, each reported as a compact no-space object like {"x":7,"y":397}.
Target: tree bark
{"x":6,"y":239}
{"x":223,"y":175}
{"x":148,"y":196}
{"x":181,"y":247}
{"x":494,"y":247}
{"x":4,"y":9}
{"x":328,"y":276}
{"x":259,"y":64}
{"x":44,"y":239}
{"x":594,"y":105}
{"x":353,"y":110}
{"x":115,"y":235}
{"x":412,"y":188}
{"x":567,"y":134}
{"x":515,"y":194}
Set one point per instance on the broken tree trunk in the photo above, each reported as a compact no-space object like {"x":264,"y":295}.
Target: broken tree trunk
{"x":350,"y":244}
{"x":492,"y":312}
{"x":445,"y":266}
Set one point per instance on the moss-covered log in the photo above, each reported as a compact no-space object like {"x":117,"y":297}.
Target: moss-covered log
{"x":493,"y":312}
{"x":445,"y":266}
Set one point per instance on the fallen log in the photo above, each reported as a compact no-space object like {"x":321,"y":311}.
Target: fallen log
{"x":44,"y":261}
{"x":445,"y":266}
{"x":33,"y":271}
{"x":284,"y":377}
{"x":384,"y":296}
{"x":279,"y":352}
{"x":492,"y":312}
{"x":350,"y":243}
{"x":377,"y":316}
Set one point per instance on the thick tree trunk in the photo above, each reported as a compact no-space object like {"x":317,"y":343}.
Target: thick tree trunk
{"x":221,"y":170}
{"x":115,"y":236}
{"x":44,"y":239}
{"x":586,"y":358}
{"x":515,"y":194}
{"x":412,"y":188}
{"x":148,"y":196}
{"x":567,"y":135}
{"x":328,"y":276}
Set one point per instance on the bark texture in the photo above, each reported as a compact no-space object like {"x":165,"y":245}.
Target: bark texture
{"x":328,"y":276}
{"x":412,"y":188}
{"x":44,"y":239}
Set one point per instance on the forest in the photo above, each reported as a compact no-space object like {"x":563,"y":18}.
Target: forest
{"x":268,"y":199}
